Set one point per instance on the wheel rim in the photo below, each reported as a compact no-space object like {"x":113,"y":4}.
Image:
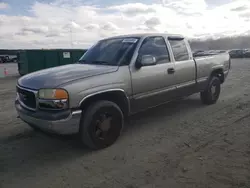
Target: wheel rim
{"x":106,"y":126}
{"x":103,"y":125}
{"x":215,"y":90}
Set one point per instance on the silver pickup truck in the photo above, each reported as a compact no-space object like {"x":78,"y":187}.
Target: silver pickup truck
{"x":115,"y":78}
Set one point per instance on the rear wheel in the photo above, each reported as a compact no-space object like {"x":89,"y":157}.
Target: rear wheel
{"x":101,"y":124}
{"x":212,"y":93}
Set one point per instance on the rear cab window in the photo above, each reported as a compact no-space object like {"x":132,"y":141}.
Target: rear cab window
{"x":179,"y":49}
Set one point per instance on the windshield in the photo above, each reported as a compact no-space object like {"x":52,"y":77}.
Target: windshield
{"x":117,"y":51}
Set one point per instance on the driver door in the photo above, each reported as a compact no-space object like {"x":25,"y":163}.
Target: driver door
{"x":155,"y":84}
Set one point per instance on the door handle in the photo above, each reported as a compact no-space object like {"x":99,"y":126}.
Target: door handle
{"x":171,"y":70}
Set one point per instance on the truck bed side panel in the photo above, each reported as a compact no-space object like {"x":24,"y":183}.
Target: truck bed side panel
{"x":207,"y":64}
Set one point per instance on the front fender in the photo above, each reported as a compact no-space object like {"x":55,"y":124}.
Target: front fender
{"x":218,"y":67}
{"x":101,"y":92}
{"x":117,"y":96}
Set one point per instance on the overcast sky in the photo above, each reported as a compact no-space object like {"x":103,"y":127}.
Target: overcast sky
{"x":47,"y":24}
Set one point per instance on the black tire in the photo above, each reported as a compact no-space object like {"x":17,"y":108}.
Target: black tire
{"x":92,"y":126}
{"x":208,"y":96}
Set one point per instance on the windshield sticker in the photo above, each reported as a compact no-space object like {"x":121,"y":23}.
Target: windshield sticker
{"x":130,"y":40}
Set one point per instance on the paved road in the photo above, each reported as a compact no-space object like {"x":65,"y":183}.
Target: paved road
{"x":182,"y":144}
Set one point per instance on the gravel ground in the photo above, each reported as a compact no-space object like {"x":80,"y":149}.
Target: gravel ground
{"x":11,"y":69}
{"x":181,"y":144}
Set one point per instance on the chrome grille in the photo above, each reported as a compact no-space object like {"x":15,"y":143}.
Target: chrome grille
{"x":27,"y":97}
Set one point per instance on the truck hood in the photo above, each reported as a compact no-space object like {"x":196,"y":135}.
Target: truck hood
{"x":54,"y":77}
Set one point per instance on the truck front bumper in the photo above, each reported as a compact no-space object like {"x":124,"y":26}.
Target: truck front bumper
{"x":64,"y":123}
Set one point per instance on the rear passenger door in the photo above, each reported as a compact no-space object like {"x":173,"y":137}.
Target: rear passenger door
{"x":185,"y":68}
{"x":152,"y":85}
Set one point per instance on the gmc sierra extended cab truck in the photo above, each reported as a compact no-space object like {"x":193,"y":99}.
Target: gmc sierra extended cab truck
{"x":115,"y":78}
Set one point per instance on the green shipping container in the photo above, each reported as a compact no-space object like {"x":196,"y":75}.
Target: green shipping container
{"x":34,"y":60}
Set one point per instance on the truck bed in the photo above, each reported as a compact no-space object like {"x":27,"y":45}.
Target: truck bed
{"x":205,"y":64}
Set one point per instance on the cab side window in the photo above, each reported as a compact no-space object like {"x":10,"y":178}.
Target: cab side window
{"x":179,"y":49}
{"x":156,"y":47}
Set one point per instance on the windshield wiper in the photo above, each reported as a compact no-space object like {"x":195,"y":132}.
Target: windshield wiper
{"x":94,"y":62}
{"x":101,"y":62}
{"x":81,"y":61}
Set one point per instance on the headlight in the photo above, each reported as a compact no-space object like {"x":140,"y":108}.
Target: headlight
{"x":54,"y":99}
{"x":53,"y":94}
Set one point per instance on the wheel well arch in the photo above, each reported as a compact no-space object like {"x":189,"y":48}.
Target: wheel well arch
{"x":219,"y":73}
{"x":118,"y":96}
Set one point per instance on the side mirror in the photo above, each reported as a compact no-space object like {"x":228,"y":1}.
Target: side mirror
{"x":146,"y":60}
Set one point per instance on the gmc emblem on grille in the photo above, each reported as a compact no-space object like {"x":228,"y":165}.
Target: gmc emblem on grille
{"x":23,"y":96}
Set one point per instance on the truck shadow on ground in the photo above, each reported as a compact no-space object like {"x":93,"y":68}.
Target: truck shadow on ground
{"x":161,"y":112}
{"x":31,"y":150}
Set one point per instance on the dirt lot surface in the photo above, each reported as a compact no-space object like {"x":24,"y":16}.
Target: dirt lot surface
{"x":11,"y":69}
{"x":181,"y":144}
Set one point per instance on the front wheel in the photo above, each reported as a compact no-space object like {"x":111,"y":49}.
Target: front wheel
{"x":212,"y":93}
{"x":101,"y":124}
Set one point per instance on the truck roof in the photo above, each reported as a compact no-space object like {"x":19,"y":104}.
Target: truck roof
{"x":147,"y":35}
